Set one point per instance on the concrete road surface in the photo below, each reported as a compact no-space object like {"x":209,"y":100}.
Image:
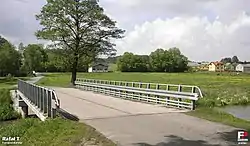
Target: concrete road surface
{"x":136,"y":124}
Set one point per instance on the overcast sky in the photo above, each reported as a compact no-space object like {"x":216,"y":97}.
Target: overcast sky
{"x":202,"y":29}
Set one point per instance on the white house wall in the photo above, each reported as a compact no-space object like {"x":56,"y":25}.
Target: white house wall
{"x":90,"y":69}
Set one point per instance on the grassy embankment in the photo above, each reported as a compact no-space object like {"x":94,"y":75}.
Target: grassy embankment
{"x":219,"y":90}
{"x":34,"y":132}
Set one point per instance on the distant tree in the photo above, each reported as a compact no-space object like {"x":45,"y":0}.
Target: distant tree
{"x":10,"y":59}
{"x":179,"y":61}
{"x":21,"y":47}
{"x":235,"y":59}
{"x":226,"y":60}
{"x":35,"y":58}
{"x":159,"y":60}
{"x":126,"y":62}
{"x":79,"y":27}
{"x":132,"y":63}
{"x":112,"y":59}
{"x":141,"y":63}
{"x":168,"y":60}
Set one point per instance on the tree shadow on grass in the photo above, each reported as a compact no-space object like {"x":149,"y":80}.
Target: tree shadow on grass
{"x":172,"y":140}
{"x":67,"y":115}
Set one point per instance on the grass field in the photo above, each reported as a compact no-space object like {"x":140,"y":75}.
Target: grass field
{"x":34,"y":132}
{"x":218,"y":90}
{"x":53,"y":132}
{"x":215,"y":115}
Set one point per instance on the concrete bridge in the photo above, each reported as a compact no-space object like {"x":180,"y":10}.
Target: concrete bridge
{"x":130,"y":123}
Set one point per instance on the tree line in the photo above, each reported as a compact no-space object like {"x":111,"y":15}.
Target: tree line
{"x":171,"y":60}
{"x":22,"y":60}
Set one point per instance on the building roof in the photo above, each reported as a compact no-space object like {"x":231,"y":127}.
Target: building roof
{"x":245,"y":65}
{"x":193,"y":64}
{"x":217,"y":63}
{"x":99,"y":63}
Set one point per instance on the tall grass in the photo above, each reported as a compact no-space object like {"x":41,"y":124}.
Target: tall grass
{"x":7,"y":111}
{"x":53,"y":132}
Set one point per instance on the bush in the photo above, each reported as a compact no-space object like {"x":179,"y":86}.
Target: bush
{"x":7,"y":111}
{"x":5,"y":97}
{"x":9,"y":77}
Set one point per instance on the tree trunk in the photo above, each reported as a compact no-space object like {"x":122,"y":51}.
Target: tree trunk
{"x":74,"y":69}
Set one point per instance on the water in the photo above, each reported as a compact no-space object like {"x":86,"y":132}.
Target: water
{"x":242,"y":112}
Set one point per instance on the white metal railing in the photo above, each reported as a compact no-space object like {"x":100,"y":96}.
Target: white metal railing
{"x":43,"y":99}
{"x":180,"y":96}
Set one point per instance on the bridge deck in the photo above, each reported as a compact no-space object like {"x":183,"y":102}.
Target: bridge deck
{"x":133,"y":123}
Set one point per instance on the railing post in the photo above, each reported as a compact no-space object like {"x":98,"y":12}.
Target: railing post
{"x":120,"y":83}
{"x":36,"y":89}
{"x":193,"y":90}
{"x":148,"y":87}
{"x":46,"y":102}
{"x":53,"y":106}
{"x":193,"y":104}
{"x":168,"y":88}
{"x":133,"y":94}
{"x":39,"y":98}
{"x":126,"y":93}
{"x":49,"y":103}
{"x":180,"y":100}
{"x":140,"y":95}
{"x":42,"y":101}
{"x":157,"y":97}
{"x":140,"y":85}
{"x":167,"y":98}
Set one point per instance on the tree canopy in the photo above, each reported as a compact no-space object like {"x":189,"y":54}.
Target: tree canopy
{"x":35,"y":57}
{"x":158,"y":61}
{"x":133,"y":63}
{"x":235,"y":59}
{"x":79,"y":27}
{"x":10,"y":59}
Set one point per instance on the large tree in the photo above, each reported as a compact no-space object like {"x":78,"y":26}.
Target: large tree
{"x":80,"y":27}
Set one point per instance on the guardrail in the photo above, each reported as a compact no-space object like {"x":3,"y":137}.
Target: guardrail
{"x":42,"y":99}
{"x":180,"y":96}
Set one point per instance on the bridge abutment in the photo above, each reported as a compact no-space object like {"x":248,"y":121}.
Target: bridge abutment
{"x":19,"y":105}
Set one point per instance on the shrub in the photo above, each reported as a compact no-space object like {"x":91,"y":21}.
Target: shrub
{"x":7,"y":111}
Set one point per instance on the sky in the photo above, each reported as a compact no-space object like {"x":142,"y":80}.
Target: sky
{"x":204,"y":30}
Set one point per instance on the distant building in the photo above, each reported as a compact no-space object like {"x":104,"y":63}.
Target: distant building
{"x":243,"y":68}
{"x":98,"y":67}
{"x":203,"y":67}
{"x":216,"y":67}
{"x":193,"y":64}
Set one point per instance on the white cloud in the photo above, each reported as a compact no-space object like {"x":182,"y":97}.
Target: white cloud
{"x":203,"y":29}
{"x":197,"y":37}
